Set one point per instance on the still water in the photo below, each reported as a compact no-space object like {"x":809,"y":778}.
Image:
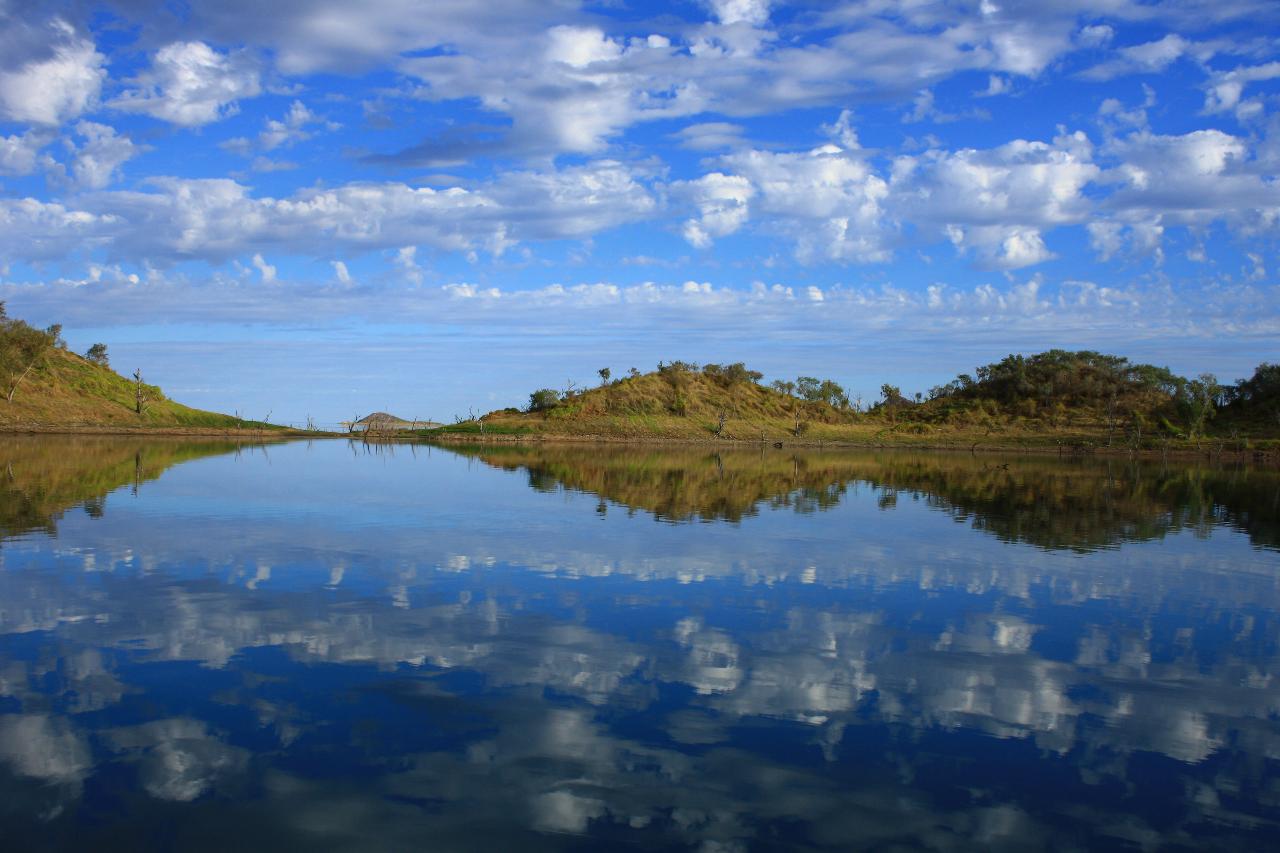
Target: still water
{"x":333,"y":646}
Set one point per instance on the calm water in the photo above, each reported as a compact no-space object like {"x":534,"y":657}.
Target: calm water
{"x":335,"y":647}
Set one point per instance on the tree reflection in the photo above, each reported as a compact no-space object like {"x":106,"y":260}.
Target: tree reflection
{"x":1077,"y":504}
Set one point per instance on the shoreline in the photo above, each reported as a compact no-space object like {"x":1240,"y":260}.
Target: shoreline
{"x":1208,"y":449}
{"x":1266,"y":455}
{"x":169,"y":431}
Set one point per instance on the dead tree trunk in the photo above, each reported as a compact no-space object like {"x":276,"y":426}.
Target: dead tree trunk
{"x":140,"y":397}
{"x":18,"y":381}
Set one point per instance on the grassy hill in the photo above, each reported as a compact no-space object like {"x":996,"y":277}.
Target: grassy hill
{"x":1054,"y":398}
{"x":63,"y":390}
{"x":670,"y":403}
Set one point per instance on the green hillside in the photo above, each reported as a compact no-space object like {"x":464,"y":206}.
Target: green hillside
{"x":47,"y":387}
{"x":1052,"y":398}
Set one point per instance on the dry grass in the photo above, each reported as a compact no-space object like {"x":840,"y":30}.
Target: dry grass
{"x":65,"y":390}
{"x":687,"y":406}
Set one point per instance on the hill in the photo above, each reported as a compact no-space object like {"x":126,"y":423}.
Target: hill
{"x":1053,"y":398}
{"x":47,"y":387}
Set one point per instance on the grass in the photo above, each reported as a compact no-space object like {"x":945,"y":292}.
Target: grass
{"x":66,"y":390}
{"x":687,"y":406}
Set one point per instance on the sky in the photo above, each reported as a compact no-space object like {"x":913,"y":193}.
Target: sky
{"x":320,"y":209}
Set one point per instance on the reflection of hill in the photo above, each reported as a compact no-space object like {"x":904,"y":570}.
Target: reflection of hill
{"x":681,"y":484}
{"x":40,"y":478}
{"x":1048,"y":502}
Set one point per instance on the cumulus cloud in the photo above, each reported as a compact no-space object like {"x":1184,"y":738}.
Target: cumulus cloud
{"x":740,"y":11}
{"x":48,"y":74}
{"x":1192,"y":177}
{"x":99,"y":155}
{"x":19,"y":154}
{"x":996,"y":201}
{"x":828,"y":199}
{"x":834,"y":205}
{"x":1224,"y":89}
{"x":191,"y":84}
{"x":219,"y":219}
{"x":722,"y":202}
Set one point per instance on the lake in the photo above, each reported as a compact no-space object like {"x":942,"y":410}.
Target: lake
{"x":339,"y":646}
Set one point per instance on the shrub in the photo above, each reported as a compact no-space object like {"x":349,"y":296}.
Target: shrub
{"x":543,"y":399}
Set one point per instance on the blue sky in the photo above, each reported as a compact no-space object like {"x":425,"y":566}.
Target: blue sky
{"x":324,"y":208}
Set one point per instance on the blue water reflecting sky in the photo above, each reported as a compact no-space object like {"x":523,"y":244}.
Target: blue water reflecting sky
{"x":345,"y":647}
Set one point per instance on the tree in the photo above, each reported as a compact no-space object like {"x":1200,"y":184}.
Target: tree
{"x":731,"y":374}
{"x":141,"y":393}
{"x":543,"y":399}
{"x":21,"y":349}
{"x":807,"y":387}
{"x":605,"y":373}
{"x":1200,"y":400}
{"x":98,"y":355}
{"x":891,"y":400}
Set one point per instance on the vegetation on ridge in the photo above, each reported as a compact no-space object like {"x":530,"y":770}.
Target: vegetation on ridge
{"x":46,"y":385}
{"x":1085,"y":397}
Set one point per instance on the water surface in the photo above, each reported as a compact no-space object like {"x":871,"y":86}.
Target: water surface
{"x":333,"y":646}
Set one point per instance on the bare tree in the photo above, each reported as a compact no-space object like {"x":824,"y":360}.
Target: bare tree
{"x":141,"y":393}
{"x":1112,"y":414}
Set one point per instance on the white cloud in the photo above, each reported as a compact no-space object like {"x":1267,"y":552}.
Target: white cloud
{"x":34,"y":230}
{"x":406,"y":259}
{"x":340,"y":270}
{"x":996,"y":85}
{"x":99,"y":156}
{"x":217,"y":219}
{"x":59,"y":83}
{"x":284,"y":132}
{"x":1150,"y":57}
{"x":1224,"y":89}
{"x":755,"y":12}
{"x":1191,"y":179}
{"x":344,"y":37}
{"x":266,"y":270}
{"x":722,"y":202}
{"x":289,"y":130}
{"x":190,"y":84}
{"x":1095,"y":35}
{"x":710,"y":136}
{"x":997,"y":200}
{"x":1194,"y":177}
{"x":18,"y":154}
{"x":828,"y":200}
